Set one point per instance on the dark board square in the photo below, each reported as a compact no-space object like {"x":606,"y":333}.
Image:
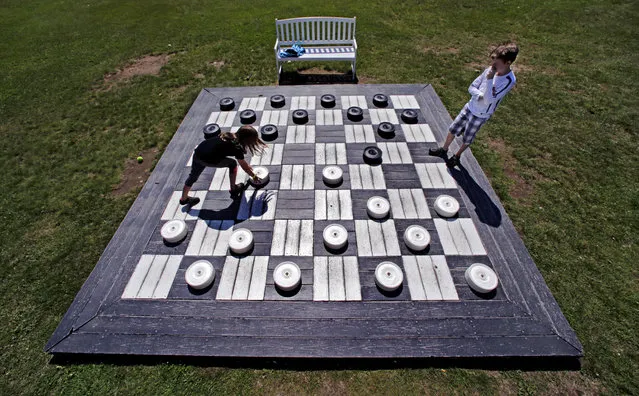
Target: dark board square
{"x":401,"y":176}
{"x":370,"y":290}
{"x":365,"y":120}
{"x":432,"y":194}
{"x":203,"y":182}
{"x":295,"y":204}
{"x":319,"y":249}
{"x":419,"y":152}
{"x":298,"y":154}
{"x":355,"y":152}
{"x":420,"y":116}
{"x":329,"y":134}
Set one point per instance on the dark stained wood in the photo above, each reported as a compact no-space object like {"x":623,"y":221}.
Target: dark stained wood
{"x":521,"y":318}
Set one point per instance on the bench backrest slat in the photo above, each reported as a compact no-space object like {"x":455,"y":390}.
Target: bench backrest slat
{"x":315,"y":30}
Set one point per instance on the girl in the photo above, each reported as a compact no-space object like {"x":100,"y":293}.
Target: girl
{"x":216,"y":151}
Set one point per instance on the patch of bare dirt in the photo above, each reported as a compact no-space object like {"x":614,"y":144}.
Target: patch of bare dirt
{"x":317,"y":70}
{"x":361,"y":79}
{"x":147,"y":65}
{"x":217,"y":64}
{"x":135,"y":174}
{"x":521,"y":189}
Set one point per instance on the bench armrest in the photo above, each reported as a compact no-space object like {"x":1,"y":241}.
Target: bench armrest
{"x":355,"y":44}
{"x":277,"y":45}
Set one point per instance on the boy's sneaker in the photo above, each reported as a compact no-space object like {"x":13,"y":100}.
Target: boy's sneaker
{"x":452,"y":161}
{"x":190,"y":201}
{"x":439,"y":151}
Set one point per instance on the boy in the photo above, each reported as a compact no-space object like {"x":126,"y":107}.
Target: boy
{"x":487,"y":91}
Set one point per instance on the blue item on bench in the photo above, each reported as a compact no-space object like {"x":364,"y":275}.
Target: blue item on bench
{"x":293,"y":52}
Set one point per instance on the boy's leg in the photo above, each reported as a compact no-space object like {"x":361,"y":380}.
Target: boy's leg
{"x":472,"y":127}
{"x":455,"y":129}
{"x":196,"y":170}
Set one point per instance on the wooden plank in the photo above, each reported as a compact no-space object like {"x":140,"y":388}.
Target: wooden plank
{"x":258,"y":278}
{"x":390,"y":238}
{"x":320,"y":153}
{"x":224,"y":235}
{"x":410,"y":211}
{"x":413,"y":278}
{"x":309,"y":177}
{"x":332,"y":205}
{"x":345,"y":205}
{"x":297,"y":180}
{"x":420,"y":203}
{"x":320,"y":278}
{"x":336,"y":290}
{"x":424,"y":177}
{"x":376,"y":238}
{"x":330,"y":153}
{"x":459,"y":238}
{"x":353,"y":171}
{"x":428,"y":277}
{"x":286,"y":178}
{"x":393,"y":152}
{"x":279,"y":238}
{"x":378,"y":178}
{"x":172,"y":206}
{"x":306,"y":238}
{"x":340,"y":153}
{"x":292,"y":238}
{"x":167,"y":277}
{"x":445,"y":237}
{"x":278,"y":150}
{"x":447,"y":179}
{"x":396,"y":204}
{"x":227,"y":280}
{"x":404,"y":153}
{"x":197,"y":237}
{"x":351,"y":279}
{"x":444,"y":278}
{"x":137,"y":278}
{"x":210,"y":238}
{"x":363,"y":240}
{"x":243,"y":278}
{"x":472,"y":236}
{"x":320,"y":205}
{"x":351,"y":134}
{"x":367,"y":178}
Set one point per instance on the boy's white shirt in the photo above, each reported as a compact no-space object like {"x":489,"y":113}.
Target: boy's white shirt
{"x":487,"y":93}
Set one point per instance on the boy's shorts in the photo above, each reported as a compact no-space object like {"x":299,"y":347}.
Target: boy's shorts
{"x":466,"y":123}
{"x":198,"y":166}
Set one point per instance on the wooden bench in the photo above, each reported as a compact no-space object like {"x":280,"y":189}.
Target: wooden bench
{"x":323,"y":38}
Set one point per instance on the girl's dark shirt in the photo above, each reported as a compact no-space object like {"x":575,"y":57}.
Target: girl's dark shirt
{"x":215,"y":149}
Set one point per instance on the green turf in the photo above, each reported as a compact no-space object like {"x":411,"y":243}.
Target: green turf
{"x":569,"y":130}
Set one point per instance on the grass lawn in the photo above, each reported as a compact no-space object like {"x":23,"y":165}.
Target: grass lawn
{"x":561,"y":152}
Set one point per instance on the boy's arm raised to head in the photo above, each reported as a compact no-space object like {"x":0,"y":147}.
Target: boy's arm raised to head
{"x":473,"y":89}
{"x":494,"y":95}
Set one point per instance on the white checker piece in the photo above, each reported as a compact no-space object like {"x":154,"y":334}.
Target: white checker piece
{"x":404,"y":102}
{"x":336,"y":279}
{"x":152,"y":277}
{"x":243,"y":278}
{"x":429,"y":278}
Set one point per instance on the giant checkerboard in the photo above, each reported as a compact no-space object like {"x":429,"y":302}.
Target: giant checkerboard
{"x":137,"y":301}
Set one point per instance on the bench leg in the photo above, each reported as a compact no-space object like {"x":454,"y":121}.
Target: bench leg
{"x":353,"y":68}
